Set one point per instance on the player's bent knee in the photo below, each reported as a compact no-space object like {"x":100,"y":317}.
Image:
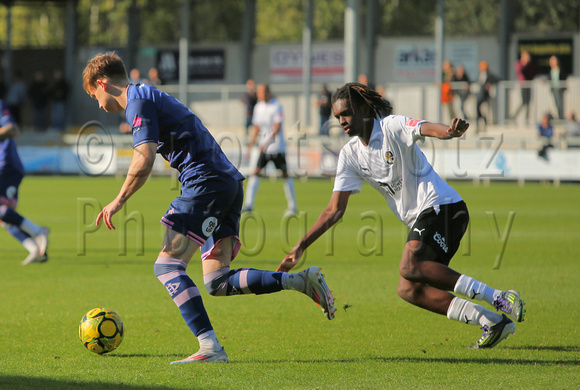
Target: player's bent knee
{"x":167,"y":265}
{"x":403,"y":289}
{"x":409,"y":271}
{"x":216,"y":282}
{"x":407,"y":290}
{"x":410,"y":268}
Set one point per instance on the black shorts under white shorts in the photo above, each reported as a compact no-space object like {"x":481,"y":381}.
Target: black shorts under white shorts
{"x":441,"y":228}
{"x":279,"y":160}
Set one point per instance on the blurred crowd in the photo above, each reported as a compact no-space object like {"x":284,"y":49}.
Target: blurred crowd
{"x":46,"y":96}
{"x":456,"y":83}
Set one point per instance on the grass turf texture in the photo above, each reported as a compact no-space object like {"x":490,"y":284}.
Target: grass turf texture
{"x":283,"y":340}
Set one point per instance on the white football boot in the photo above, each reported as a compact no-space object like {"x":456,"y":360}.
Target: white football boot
{"x":317,"y":289}
{"x":42,"y":240}
{"x":205,"y":356}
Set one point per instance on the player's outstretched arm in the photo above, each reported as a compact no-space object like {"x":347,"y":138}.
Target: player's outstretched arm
{"x":331,"y":215}
{"x":139,"y":171}
{"x":457,"y":128}
{"x":9,"y":131}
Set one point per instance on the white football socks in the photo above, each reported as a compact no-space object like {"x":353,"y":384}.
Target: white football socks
{"x":209,"y":341}
{"x":30,"y":228}
{"x":470,"y":313}
{"x":251,"y":190}
{"x":29,"y":243}
{"x":290,"y":194}
{"x":474,"y":289}
{"x":292,"y":281}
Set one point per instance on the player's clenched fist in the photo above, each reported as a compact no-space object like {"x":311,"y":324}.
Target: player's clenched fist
{"x":458,"y":127}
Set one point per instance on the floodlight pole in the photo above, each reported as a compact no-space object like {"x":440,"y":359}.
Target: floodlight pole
{"x":248,"y":32}
{"x":307,"y":60}
{"x":183,"y":53}
{"x":505,"y":28}
{"x":439,"y":51}
{"x":7,"y":65}
{"x":70,"y":51}
{"x":351,"y":15}
{"x":133,"y":19}
{"x":371,"y":38}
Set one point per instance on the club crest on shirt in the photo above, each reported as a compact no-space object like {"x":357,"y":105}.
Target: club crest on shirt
{"x":390,"y":157}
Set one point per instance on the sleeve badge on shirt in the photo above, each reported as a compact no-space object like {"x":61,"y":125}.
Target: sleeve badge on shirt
{"x":412,"y":122}
{"x":137,"y":121}
{"x":390,"y":157}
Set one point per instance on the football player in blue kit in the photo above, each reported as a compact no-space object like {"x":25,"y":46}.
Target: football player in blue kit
{"x":206,"y":215}
{"x":32,"y":237}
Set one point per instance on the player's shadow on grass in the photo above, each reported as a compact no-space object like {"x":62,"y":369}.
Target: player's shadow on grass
{"x":557,"y":348}
{"x":14,"y":382}
{"x":515,"y":361}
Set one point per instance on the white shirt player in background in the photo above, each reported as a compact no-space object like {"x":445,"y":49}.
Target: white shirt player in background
{"x":268,"y":121}
{"x":383,"y":152}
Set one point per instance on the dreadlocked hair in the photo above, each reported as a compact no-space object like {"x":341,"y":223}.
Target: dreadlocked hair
{"x":358,"y":94}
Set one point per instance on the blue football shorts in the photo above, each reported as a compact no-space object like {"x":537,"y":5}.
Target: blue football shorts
{"x":207,"y":212}
{"x":9,"y":189}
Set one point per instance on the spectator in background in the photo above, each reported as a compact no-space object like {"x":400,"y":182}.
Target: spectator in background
{"x":58,"y":95}
{"x":381,"y":91}
{"x":135,"y":76}
{"x":545,"y":132}
{"x":249,"y":99}
{"x":572,"y":130}
{"x":124,"y":126}
{"x":556,"y":77}
{"x":446,"y":90}
{"x":154,"y":77}
{"x":16,"y":97}
{"x":364,"y":80}
{"x":526,"y":71}
{"x":486,"y":81}
{"x":325,"y":109}
{"x":462,"y":90}
{"x":39,"y":95}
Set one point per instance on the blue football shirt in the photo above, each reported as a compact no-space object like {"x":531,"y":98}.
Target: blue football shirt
{"x":10,"y":163}
{"x":181,"y":138}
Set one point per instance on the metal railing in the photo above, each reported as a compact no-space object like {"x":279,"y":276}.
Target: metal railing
{"x":221,"y":105}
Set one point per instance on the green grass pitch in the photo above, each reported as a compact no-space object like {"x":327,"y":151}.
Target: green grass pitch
{"x":283,"y":341}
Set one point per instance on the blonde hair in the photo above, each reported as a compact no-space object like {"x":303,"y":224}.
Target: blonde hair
{"x":104,"y":65}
